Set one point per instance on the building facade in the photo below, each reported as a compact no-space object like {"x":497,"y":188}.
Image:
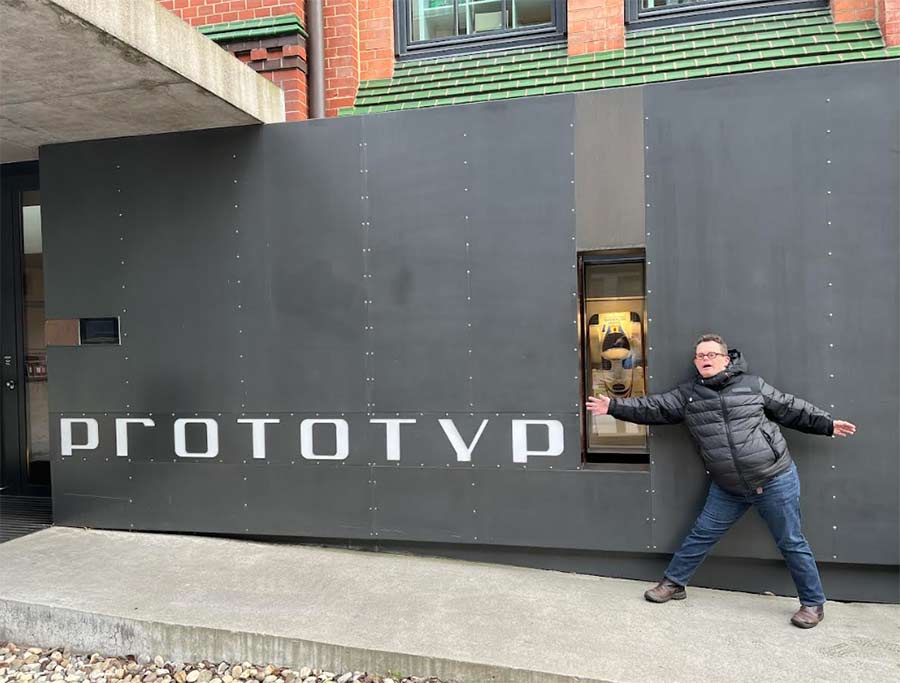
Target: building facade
{"x":379,"y":329}
{"x":378,"y":52}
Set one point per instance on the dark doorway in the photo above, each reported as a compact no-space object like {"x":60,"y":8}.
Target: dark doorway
{"x":24,"y":415}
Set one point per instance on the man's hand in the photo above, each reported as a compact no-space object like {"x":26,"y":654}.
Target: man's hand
{"x":842,"y":428}
{"x":599,"y":405}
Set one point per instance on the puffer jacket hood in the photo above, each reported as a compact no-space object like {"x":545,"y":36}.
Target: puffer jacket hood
{"x":732,"y":417}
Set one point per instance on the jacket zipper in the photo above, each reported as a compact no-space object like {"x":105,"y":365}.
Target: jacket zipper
{"x":731,"y":444}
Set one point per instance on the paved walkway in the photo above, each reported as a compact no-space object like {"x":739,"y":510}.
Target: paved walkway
{"x":192,"y":597}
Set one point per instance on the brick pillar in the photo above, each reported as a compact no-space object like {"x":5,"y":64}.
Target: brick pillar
{"x":341,"y":20}
{"x":376,"y":39}
{"x":280,"y":58}
{"x":888,"y":12}
{"x":595,"y":26}
{"x":852,"y":10}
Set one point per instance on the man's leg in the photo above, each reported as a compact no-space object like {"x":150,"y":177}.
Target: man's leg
{"x":721,"y":511}
{"x":779,"y":506}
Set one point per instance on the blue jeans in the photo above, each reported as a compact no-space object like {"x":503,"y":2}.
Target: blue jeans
{"x":779,"y":506}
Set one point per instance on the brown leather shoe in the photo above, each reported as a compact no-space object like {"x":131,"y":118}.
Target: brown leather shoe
{"x":807,"y":617}
{"x":664,"y":591}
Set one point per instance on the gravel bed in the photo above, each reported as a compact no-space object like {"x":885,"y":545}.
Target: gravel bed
{"x":43,"y":665}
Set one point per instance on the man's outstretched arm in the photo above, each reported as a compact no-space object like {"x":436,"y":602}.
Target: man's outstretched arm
{"x":655,"y":409}
{"x":795,"y":413}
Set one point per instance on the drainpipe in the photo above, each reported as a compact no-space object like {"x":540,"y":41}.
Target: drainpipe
{"x":315,"y":59}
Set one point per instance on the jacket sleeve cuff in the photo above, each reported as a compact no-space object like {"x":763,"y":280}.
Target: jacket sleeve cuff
{"x":612,"y":407}
{"x":830,"y":431}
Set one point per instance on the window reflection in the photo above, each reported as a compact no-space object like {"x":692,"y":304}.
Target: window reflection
{"x":436,"y":19}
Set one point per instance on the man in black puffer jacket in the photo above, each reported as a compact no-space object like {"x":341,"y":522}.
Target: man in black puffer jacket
{"x":731,"y":416}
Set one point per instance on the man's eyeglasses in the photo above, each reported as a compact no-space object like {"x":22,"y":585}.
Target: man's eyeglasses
{"x":710,"y":355}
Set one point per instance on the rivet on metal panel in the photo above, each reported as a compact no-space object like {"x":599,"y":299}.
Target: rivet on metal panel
{"x":834,"y":527}
{"x":828,"y":161}
{"x":829,"y":253}
{"x":827,"y":191}
{"x":828,"y":131}
{"x":831,"y":346}
{"x":828,"y":99}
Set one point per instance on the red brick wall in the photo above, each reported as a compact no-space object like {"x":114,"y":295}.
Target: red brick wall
{"x":341,"y":33}
{"x":888,"y":12}
{"x":595,"y":25}
{"x":202,"y":12}
{"x":853,"y":10}
{"x":376,"y":39}
{"x":290,"y":79}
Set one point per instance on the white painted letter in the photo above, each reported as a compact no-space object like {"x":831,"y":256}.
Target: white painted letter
{"x":212,"y":438}
{"x":65,"y":434}
{"x":463,"y":452}
{"x":259,"y":435}
{"x":392,"y":427}
{"x":122,"y":431}
{"x":520,"y":439}
{"x":342,"y":439}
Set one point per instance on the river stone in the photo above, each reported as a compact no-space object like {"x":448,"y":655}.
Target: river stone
{"x":193,"y":676}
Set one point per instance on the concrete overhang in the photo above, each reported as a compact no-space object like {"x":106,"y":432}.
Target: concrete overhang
{"x":88,"y":69}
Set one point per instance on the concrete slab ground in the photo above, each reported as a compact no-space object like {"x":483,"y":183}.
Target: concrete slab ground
{"x":190,"y":597}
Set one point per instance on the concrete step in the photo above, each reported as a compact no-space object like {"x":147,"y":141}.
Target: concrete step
{"x":191,"y":597}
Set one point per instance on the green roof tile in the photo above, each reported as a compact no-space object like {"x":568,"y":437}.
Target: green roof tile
{"x":650,"y":56}
{"x":250,"y":29}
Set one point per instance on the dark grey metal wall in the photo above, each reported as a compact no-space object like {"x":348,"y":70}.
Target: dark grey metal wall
{"x":422,"y":265}
{"x":417,"y":266}
{"x":773,"y":218}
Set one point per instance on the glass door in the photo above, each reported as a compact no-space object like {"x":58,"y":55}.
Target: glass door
{"x":24,"y":416}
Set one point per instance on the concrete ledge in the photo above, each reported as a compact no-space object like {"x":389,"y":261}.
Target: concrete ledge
{"x":26,"y":624}
{"x":154,"y":31}
{"x":89,"y":69}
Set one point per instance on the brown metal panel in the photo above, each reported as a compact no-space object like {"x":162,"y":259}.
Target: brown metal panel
{"x":61,"y":332}
{"x":609,"y":169}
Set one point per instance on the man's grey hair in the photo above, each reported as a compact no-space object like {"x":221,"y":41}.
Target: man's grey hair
{"x":712,"y":338}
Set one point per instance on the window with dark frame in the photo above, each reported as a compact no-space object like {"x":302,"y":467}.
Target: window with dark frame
{"x":641,"y":14}
{"x":429,"y":27}
{"x":614,"y":342}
